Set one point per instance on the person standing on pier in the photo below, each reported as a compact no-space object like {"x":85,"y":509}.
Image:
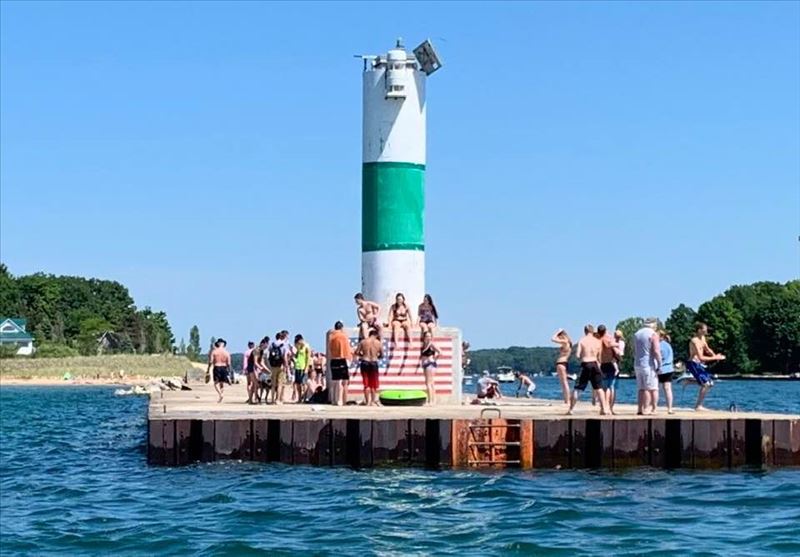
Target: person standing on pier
{"x":319,"y":364}
{"x":277,"y":357}
{"x":699,"y":354}
{"x":250,"y":370}
{"x":428,"y":356}
{"x":608,"y":366}
{"x":370,"y":351}
{"x":588,"y":353}
{"x":562,"y":361}
{"x":302,"y":364}
{"x":220,"y":361}
{"x":339,"y":355}
{"x":647,"y":365}
{"x":262,"y":387}
{"x":665,"y":373}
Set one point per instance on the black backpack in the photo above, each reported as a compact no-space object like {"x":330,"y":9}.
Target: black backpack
{"x":275,"y":355}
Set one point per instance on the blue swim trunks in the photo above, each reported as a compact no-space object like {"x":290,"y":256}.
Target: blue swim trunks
{"x":699,"y":372}
{"x":609,"y":375}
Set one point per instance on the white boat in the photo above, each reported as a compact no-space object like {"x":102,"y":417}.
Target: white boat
{"x":505,"y":374}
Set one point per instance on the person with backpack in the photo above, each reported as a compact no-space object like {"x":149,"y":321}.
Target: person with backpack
{"x":278,"y":365}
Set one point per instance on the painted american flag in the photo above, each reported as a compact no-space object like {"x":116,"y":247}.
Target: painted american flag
{"x":400,"y":367}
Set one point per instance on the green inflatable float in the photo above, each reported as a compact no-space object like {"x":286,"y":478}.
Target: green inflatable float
{"x":403,"y":398}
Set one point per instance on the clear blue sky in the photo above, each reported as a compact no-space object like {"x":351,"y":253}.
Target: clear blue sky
{"x":586,"y":162}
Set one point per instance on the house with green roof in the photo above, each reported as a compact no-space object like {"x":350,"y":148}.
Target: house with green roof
{"x":13,"y":333}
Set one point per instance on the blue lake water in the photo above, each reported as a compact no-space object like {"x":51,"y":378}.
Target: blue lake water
{"x":74,"y":481}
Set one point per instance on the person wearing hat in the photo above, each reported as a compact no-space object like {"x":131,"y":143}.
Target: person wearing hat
{"x":220,"y":361}
{"x":647,"y":365}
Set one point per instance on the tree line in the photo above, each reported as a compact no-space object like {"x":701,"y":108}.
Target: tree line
{"x":67,"y":315}
{"x":757,"y":327}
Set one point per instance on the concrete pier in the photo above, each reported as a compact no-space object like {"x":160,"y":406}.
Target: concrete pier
{"x":190,"y":426}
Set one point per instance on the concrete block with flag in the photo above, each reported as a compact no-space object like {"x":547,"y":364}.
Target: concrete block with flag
{"x":400,"y":367}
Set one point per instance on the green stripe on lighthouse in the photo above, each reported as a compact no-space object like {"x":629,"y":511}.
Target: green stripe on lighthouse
{"x":392,"y":206}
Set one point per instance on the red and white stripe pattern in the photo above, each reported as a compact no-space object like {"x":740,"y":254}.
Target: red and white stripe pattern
{"x":401,"y":367}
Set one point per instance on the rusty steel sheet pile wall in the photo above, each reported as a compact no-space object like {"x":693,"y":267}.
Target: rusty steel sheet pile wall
{"x":489,"y":443}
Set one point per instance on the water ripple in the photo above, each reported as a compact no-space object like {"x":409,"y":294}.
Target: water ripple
{"x":74,"y":481}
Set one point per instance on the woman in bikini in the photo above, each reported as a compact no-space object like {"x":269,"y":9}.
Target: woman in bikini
{"x":428,"y":356}
{"x":399,"y":317}
{"x":564,"y":349}
{"x":427,"y":315}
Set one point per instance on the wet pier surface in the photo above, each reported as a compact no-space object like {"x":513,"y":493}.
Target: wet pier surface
{"x":191,"y":426}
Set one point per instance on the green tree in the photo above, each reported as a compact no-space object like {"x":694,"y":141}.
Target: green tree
{"x":182,"y":347}
{"x":90,"y":331}
{"x":780,"y":325}
{"x":194,"y":344}
{"x":10,"y":299}
{"x":726,"y":333}
{"x":681,"y":325}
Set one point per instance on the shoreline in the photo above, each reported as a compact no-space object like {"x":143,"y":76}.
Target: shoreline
{"x":78,"y":382}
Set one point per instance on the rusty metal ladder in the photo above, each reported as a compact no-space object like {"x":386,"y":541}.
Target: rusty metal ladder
{"x":474,"y":442}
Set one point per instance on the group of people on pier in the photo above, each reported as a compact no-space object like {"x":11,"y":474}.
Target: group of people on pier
{"x":600,"y":354}
{"x":272,"y":364}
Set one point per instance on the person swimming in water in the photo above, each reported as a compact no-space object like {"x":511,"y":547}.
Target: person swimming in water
{"x":429,"y":353}
{"x":427,"y":316}
{"x":368,"y":316}
{"x":562,"y":361}
{"x":400,"y":317}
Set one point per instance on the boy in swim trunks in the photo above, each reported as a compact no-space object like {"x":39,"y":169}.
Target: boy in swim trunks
{"x":368,"y":316}
{"x":370,"y":350}
{"x":699,"y":354}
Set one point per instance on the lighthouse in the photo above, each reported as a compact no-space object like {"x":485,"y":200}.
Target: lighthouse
{"x":393,"y":174}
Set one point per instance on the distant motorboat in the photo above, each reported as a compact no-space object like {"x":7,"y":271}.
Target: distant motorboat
{"x":505,"y":374}
{"x":572,"y":376}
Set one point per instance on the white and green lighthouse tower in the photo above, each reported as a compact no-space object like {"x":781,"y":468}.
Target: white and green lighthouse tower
{"x":393,"y":174}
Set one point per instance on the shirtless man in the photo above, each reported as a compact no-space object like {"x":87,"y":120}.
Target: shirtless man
{"x":526,"y":382}
{"x":318,"y":364}
{"x":699,"y":354}
{"x":220,"y":361}
{"x":370,"y":350}
{"x":608,"y":366}
{"x":368,"y":316}
{"x":588,"y":353}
